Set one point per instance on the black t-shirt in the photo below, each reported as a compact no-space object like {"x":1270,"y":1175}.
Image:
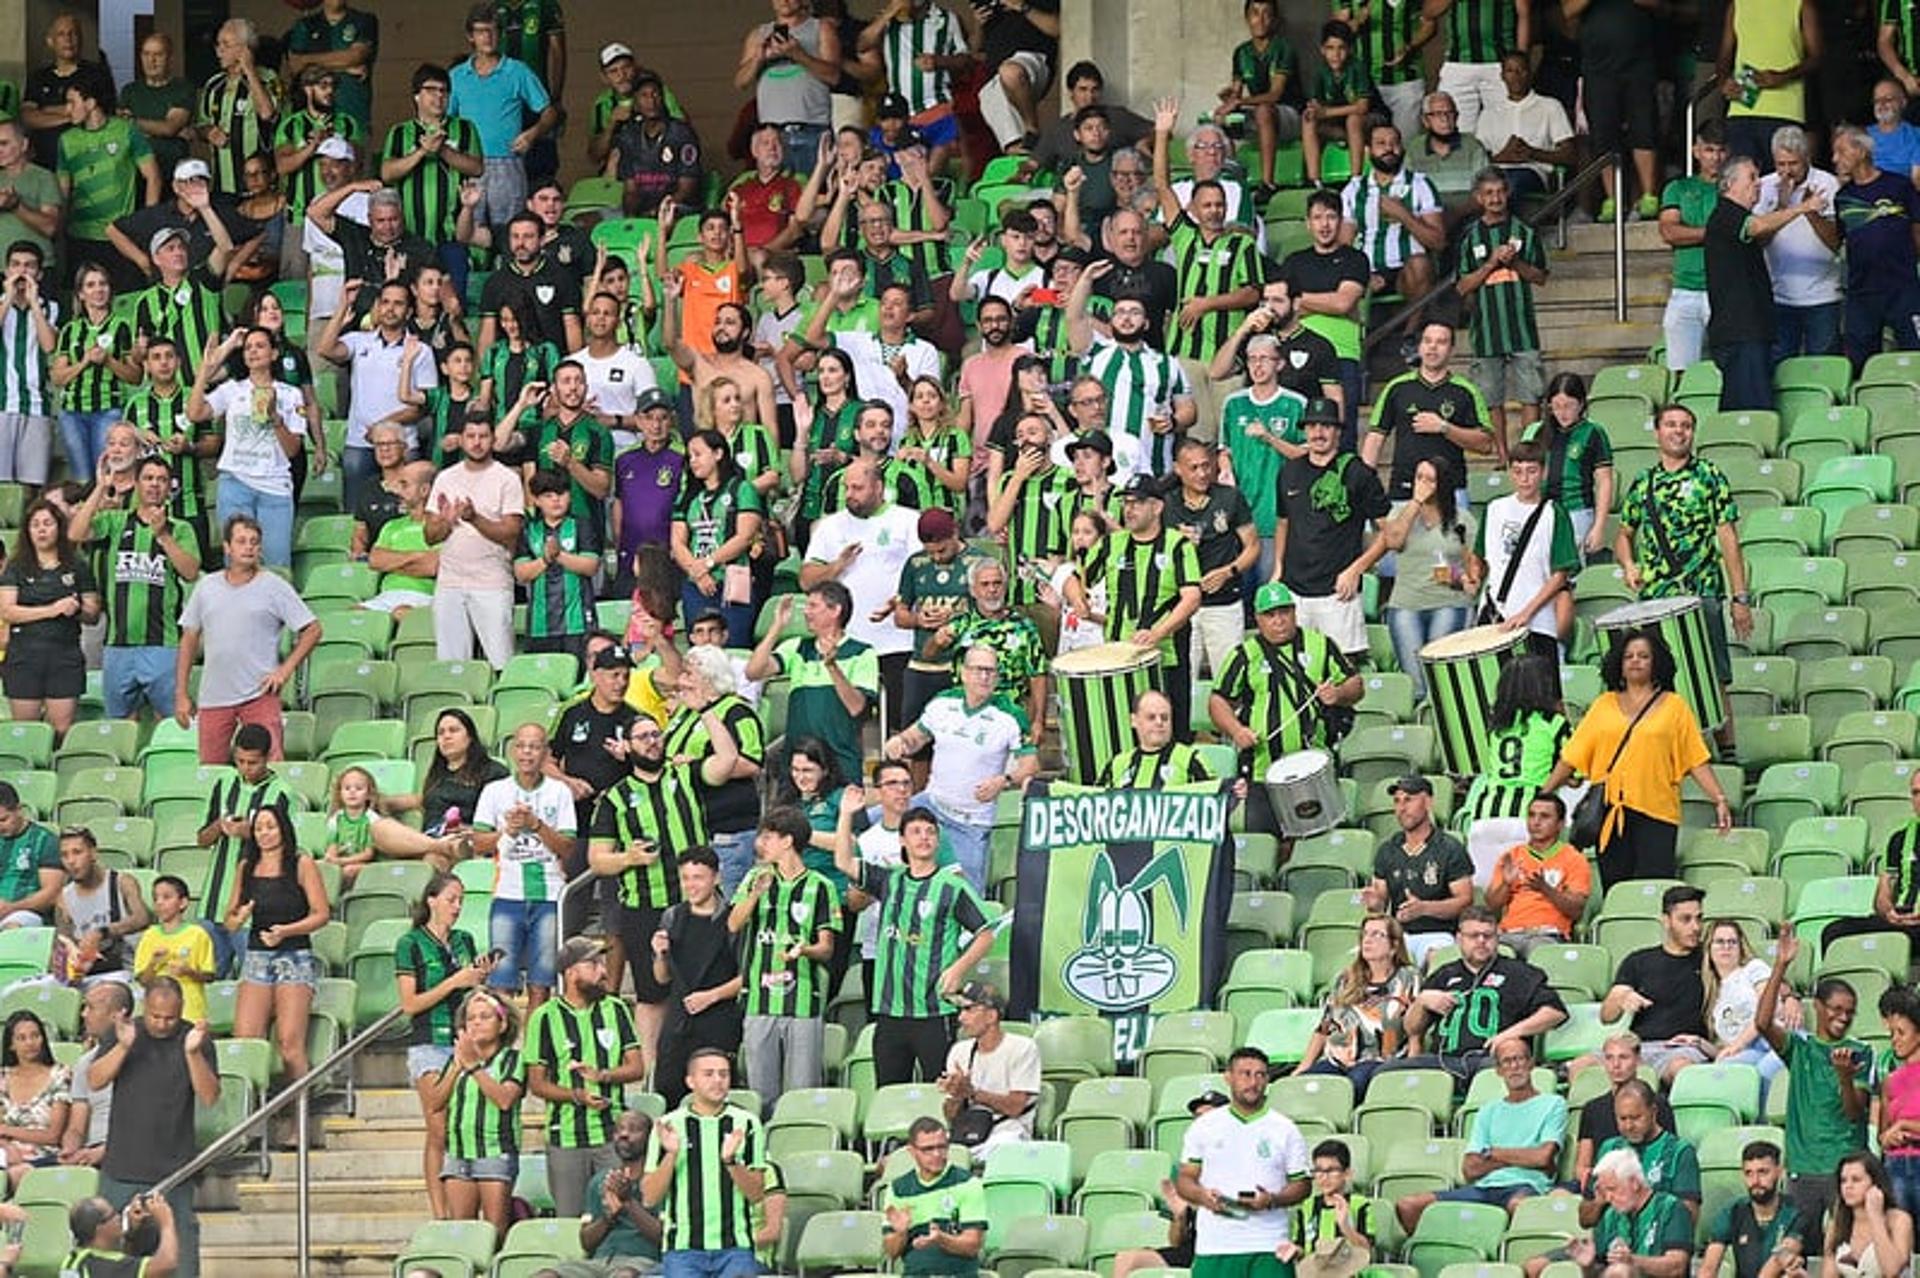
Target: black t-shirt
{"x":1597,"y":1122}
{"x":1154,"y":281}
{"x":1004,"y":33}
{"x":448,"y":792}
{"x":140,"y":225}
{"x":378,"y":507}
{"x":572,"y":248}
{"x":1405,"y":398}
{"x":1614,"y":36}
{"x":577,"y":748}
{"x":47,"y":89}
{"x":1326,"y":509}
{"x":367,"y":261}
{"x":1507,"y":992}
{"x":549,"y":293}
{"x":38,"y":587}
{"x":1214,"y":528}
{"x":1308,"y":270}
{"x":1673,"y":982}
{"x":1307,"y":363}
{"x":148,"y":1141}
{"x":1738,"y":284}
{"x":704,"y":951}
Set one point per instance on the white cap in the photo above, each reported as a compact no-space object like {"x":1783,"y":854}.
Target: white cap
{"x":190,"y":170}
{"x":613,"y":53}
{"x":336,"y":148}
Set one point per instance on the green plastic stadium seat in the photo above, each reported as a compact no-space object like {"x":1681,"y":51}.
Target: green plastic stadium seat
{"x":1888,"y":952}
{"x":1880,"y":579}
{"x":1644,"y":381}
{"x":1045,"y":1163}
{"x":1265,"y":979}
{"x":1075,"y":1047}
{"x":1580,"y":1034}
{"x":1824,"y":900}
{"x":1723,"y":1095}
{"x":836,"y":1241}
{"x":1789,"y":791}
{"x":1455,"y":1233}
{"x":534,"y":1245}
{"x":365,"y":740}
{"x":1831,"y":687}
{"x":1283,"y":1033}
{"x":1540,"y":1223}
{"x":1779,"y":738}
{"x":1599,"y":589}
{"x":1259,"y":920}
{"x":1186,"y":1043}
{"x":1123,"y":1231}
{"x":468,"y":1243}
{"x":1763,"y":685}
{"x":1579,"y":972}
{"x":1754,"y":432}
{"x":1811,"y":633}
{"x":1790,"y":581}
{"x":1771,"y":481}
{"x":835,"y":1110}
{"x":1867,"y":736}
{"x":1326,"y":1097}
{"x":892,"y":1109}
{"x":1783,"y":530}
{"x":1876,"y":527}
{"x":1844,"y":482}
{"x":1761,"y":900}
{"x":1372,"y":755}
{"x":1844,"y":835}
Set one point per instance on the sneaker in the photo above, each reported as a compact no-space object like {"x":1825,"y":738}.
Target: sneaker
{"x":1261,"y":192}
{"x":1648,"y":209}
{"x":1606,"y":211}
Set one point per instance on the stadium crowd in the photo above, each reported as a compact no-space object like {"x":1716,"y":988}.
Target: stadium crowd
{"x":708,"y":542}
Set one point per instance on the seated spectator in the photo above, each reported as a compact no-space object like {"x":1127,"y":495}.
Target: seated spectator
{"x":1528,"y":134}
{"x":1667,"y":1163}
{"x":1733,"y":977}
{"x":1341,"y":100}
{"x":30,"y":872}
{"x":84,"y":1143}
{"x":1900,"y":1101}
{"x":1642,"y":1231}
{"x":1264,"y":85}
{"x":407,"y":565}
{"x":1334,"y":1219}
{"x":278,"y":898}
{"x":992,"y":1079}
{"x":457,"y":771}
{"x":1896,"y":142}
{"x":1763,"y":1233}
{"x":1866,"y":1234}
{"x":34,"y":1096}
{"x":358,"y":829}
{"x":176,"y":948}
{"x":1360,"y":1026}
{"x":1541,"y":886}
{"x":1662,"y":990}
{"x":620,"y":1227}
{"x":381,"y":502}
{"x":1514,"y":1148}
{"x":104,"y":1235}
{"x":1620,"y":1058}
{"x":1085,"y":87}
{"x":1421,"y":875}
{"x":1478,"y":1001}
{"x":1896,"y":890}
{"x":953,"y":1224}
{"x":1449,"y":158}
{"x":47,"y":592}
{"x":477,"y":1094}
{"x":95,"y":913}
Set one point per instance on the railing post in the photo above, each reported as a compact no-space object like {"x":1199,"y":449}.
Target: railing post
{"x":1686,"y":143}
{"x":1619,"y":238}
{"x":303,"y":1223}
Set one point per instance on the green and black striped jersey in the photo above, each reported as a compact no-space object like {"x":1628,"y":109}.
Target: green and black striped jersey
{"x":166,"y":416}
{"x":1481,"y":30}
{"x":1384,"y":34}
{"x":430,"y":193}
{"x":420,"y":954}
{"x":1136,"y":768}
{"x":187,"y":314}
{"x":936,"y":33}
{"x":1144,"y":581}
{"x":789,"y":913}
{"x":705,"y":1210}
{"x":1500,"y":314}
{"x":95,"y":389}
{"x":664,"y":811}
{"x":1265,"y":682}
{"x":236,"y":797}
{"x":476,"y":1127}
{"x":1042,"y":517}
{"x":559,"y":602}
{"x":566,"y":1040}
{"x":226,"y":103}
{"x":144,"y":592}
{"x":525,"y":26}
{"x":1205,"y":268}
{"x":924,"y":922}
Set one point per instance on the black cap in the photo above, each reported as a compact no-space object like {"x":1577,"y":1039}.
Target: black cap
{"x":1321,"y":412}
{"x":1098,"y":440}
{"x":1208,"y":1100}
{"x":983,"y":994}
{"x":1412,"y":783}
{"x":1075,"y":254}
{"x":1144,"y":487}
{"x":892,"y":107}
{"x":615,"y":658}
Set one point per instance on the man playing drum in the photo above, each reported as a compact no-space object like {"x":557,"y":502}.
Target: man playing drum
{"x":1277,"y":693}
{"x":1678,"y":537}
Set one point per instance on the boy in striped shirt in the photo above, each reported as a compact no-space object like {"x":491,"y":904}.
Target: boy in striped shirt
{"x":707,"y":1164}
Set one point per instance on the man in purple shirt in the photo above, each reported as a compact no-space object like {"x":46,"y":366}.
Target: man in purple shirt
{"x":646,"y":480}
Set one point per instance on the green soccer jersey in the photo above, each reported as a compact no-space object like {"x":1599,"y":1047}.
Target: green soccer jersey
{"x":955,"y":1200}
{"x":559,"y":600}
{"x":95,"y":389}
{"x":705,"y":1211}
{"x":1690,"y":504}
{"x":755,"y":452}
{"x":1519,"y":759}
{"x":814,"y":708}
{"x":924,"y":581}
{"x":1014,"y":637}
{"x":236,"y":797}
{"x":23,"y":856}
{"x":227,"y":103}
{"x":568,"y":1041}
{"x":100,"y":170}
{"x":1208,"y":268}
{"x":1501,"y":318}
{"x":590,"y":444}
{"x":525,"y":28}
{"x":712,"y":515}
{"x":1573,"y":455}
{"x":476,"y":1127}
{"x":352,"y":90}
{"x":1904,"y":17}
{"x":789,"y":912}
{"x":733,"y":805}
{"x":1256,"y":462}
{"x":1145,"y":581}
{"x":937,"y":33}
{"x":164,"y":417}
{"x":1141,"y":769}
{"x":946,"y":447}
{"x":430,"y":192}
{"x":1671,"y":1165}
{"x":1481,"y":30}
{"x":664,"y":812}
{"x":1661,"y":1225}
{"x":1256,"y":68}
{"x":900,"y":485}
{"x":1264,"y":683}
{"x":144,"y":591}
{"x":510,"y":370}
{"x":1349,"y":85}
{"x":429,"y":961}
{"x":924,"y":923}
{"x":1042,"y":517}
{"x":295,"y":130}
{"x":831,"y":429}
{"x":187,"y":314}
{"x":1694,"y":198}
{"x":1819,"y":1132}
{"x":1385,"y":29}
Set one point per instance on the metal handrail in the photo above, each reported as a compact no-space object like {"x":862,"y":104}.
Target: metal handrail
{"x":1553,"y":208}
{"x":295,"y":1094}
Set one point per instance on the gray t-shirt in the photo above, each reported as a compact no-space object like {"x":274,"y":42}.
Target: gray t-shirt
{"x":100,"y":1099}
{"x":240,"y":633}
{"x":787,"y":92}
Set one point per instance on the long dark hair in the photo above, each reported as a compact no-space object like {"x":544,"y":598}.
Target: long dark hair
{"x":1571,"y":385}
{"x":474,"y":772}
{"x":815,"y":751}
{"x":845,"y":361}
{"x":726,"y":469}
{"x":1526,"y":687}
{"x":289,"y":846}
{"x":7,"y":1058}
{"x":1611,"y":669}
{"x":435,"y":886}
{"x":62,"y":544}
{"x":1842,"y":1227}
{"x":1445,"y":482}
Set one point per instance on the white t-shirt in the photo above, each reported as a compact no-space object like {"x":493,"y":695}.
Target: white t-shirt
{"x":1238,"y":1156}
{"x":1001,"y":283}
{"x":252,"y":452}
{"x":1805,"y":271}
{"x":468,"y":560}
{"x":614,"y":382}
{"x":970,"y":746}
{"x":1014,"y":1066}
{"x":770,"y":333}
{"x":376,"y":383}
{"x":1732,"y":1011}
{"x":876,"y":375}
{"x":1552,"y":540}
{"x":887,"y":538}
{"x":1538,"y":120}
{"x":328,"y":261}
{"x":527,"y":869}
{"x":878,"y":846}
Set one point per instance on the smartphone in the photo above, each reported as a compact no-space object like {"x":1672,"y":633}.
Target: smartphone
{"x":1045,"y":297}
{"x":495,"y":954}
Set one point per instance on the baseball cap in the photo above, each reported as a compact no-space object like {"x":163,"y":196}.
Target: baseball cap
{"x":651,"y":398}
{"x":1208,"y":1100}
{"x":1321,"y":412}
{"x":892,"y":107}
{"x":1271,"y":596}
{"x":983,"y":994}
{"x":160,"y":237}
{"x":937,"y":525}
{"x":1412,"y":783}
{"x":612,"y":53}
{"x":614,"y":658}
{"x":580,"y":949}
{"x":336,"y":148}
{"x":191,"y":170}
{"x":1143,"y":488}
{"x":1098,"y":440}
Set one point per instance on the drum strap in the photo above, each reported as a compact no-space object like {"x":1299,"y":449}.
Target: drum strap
{"x":1513,"y":559}
{"x":1300,"y":687}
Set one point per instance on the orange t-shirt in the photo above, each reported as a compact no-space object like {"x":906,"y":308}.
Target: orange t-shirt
{"x":1530,"y":908}
{"x":703,"y":290}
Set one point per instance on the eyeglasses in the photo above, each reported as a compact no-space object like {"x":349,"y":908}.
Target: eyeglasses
{"x":1328,"y":1171}
{"x":1207,"y":146}
{"x":1087,"y":401}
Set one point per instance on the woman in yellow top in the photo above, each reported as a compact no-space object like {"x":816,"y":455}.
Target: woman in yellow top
{"x":1643,"y":782}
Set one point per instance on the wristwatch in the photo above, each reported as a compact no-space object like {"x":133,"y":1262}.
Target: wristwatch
{"x":1743,"y":598}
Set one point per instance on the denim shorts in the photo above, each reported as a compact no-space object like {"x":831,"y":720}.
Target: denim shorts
{"x":527,"y":933}
{"x":504,"y":1168}
{"x":271,"y":967}
{"x":426,"y":1058}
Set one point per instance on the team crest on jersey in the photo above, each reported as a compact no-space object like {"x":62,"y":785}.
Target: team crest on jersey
{"x":607,"y":1038}
{"x":1263,"y":1147}
{"x":1219,"y":521}
{"x":1297,"y":358}
{"x":113,"y":148}
{"x":545,"y":293}
{"x":799,"y":910}
{"x":1446,"y":410}
{"x":663,"y":478}
{"x":347,"y":33}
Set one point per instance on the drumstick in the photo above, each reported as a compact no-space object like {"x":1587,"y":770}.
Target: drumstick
{"x":1293,"y":715}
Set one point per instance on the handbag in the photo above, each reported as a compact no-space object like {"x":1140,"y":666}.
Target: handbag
{"x":1590,"y":815}
{"x":1490,"y":607}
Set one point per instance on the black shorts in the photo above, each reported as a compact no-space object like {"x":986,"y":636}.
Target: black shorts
{"x":637,"y":926}
{"x":44,"y":676}
{"x":1621,"y":107}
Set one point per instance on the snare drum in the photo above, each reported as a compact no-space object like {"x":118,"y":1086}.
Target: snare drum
{"x":1463,"y":673}
{"x":1682,"y":625}
{"x":1097,"y":688}
{"x":1305,"y":794}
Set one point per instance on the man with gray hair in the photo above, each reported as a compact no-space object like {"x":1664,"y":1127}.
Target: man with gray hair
{"x":1643,"y":1233}
{"x":30,"y":200}
{"x":1740,"y":326}
{"x":1804,"y":256}
{"x":237,"y":106}
{"x":1876,"y":210}
{"x":103,"y":1237}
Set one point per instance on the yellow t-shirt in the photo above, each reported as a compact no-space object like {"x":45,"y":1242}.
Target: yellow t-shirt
{"x":1665,"y":747}
{"x":187,"y":948}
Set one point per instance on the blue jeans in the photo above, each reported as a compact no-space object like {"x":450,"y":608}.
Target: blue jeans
{"x":802,"y":143}
{"x":969,"y":844}
{"x":1806,"y":330}
{"x":737,"y":1262}
{"x":1746,"y":376}
{"x":454,"y":261}
{"x":1903,"y":1169}
{"x":1413,"y":629}
{"x":528,"y":933}
{"x":739,"y":616}
{"x":133,"y":674}
{"x":357,"y":470}
{"x":735,"y":851}
{"x":1768,"y":1062}
{"x":83,"y":437}
{"x":274,"y":511}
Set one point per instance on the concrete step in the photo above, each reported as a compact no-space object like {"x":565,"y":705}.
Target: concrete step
{"x":335,"y":1200}
{"x":397,"y":1162}
{"x":1596,"y":238}
{"x":357,"y":1229}
{"x":331,"y":1262}
{"x":374,"y":1104}
{"x":354,"y":1136}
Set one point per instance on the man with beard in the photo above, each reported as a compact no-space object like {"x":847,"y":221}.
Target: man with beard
{"x":864,"y":545}
{"x":621,"y":1228}
{"x":695,"y":958}
{"x":548,"y":291}
{"x":158,"y":410}
{"x":656,"y":157}
{"x":985,"y":376}
{"x":297,"y":138}
{"x":873,"y":442}
{"x":563,"y":243}
{"x":581,"y":1051}
{"x":1131,"y":272}
{"x":887,"y":360}
{"x":1152,"y":576}
{"x":1307,"y":363}
{"x":375,"y":356}
{"x":1218,"y":521}
{"x":474,"y":515}
{"x":1392,"y":214}
{"x":1328,"y":281}
{"x":729,"y":358}
{"x":1762,"y":1227}
{"x":571,"y":442}
{"x":1151,"y":402}
{"x":1029,"y":506}
{"x":1326,"y":498}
